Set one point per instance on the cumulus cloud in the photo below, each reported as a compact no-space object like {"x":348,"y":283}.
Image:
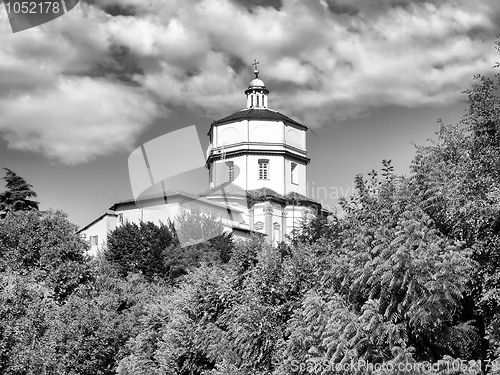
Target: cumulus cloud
{"x":323,"y":60}
{"x":76,"y":120}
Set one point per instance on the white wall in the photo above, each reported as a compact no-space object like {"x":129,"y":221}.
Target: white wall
{"x":247,"y":166}
{"x":265,"y":131}
{"x":300,"y":180}
{"x":230,"y":133}
{"x":295,"y":137}
{"x":276,"y":173}
{"x":100,"y":229}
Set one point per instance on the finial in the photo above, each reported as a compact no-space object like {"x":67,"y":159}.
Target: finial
{"x":255,"y":70}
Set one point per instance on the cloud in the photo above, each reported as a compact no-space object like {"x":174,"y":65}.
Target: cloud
{"x":252,"y":4}
{"x":321,"y":67}
{"x":339,"y":8}
{"x":76,"y":120}
{"x":322,"y":60}
{"x":68,"y":92}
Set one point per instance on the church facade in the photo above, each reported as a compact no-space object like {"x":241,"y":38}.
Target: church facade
{"x":257,"y":168}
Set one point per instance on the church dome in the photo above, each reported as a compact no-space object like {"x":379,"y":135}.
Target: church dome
{"x":256,"y":82}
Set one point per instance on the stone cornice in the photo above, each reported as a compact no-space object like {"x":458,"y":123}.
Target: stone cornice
{"x":285,"y":153}
{"x":261,"y":145}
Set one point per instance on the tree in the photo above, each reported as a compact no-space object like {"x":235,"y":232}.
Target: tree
{"x":46,"y":246}
{"x":141,"y":248}
{"x":225,"y":318}
{"x":202,"y":239}
{"x":84,"y":336}
{"x":16,"y":197}
{"x":87,"y":335}
{"x":155,"y":251}
{"x":312,"y":229}
{"x":194,"y":226}
{"x":25,"y":305}
{"x":395,"y":287}
{"x":457,"y":179}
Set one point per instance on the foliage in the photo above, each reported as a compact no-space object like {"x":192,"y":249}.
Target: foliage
{"x":155,"y":251}
{"x":224,"y":319}
{"x":312,"y":229}
{"x":25,"y":306}
{"x":202,"y":238}
{"x":140,"y":248}
{"x":457,"y":180}
{"x":85,"y":335}
{"x":16,"y":197}
{"x":395,"y":287}
{"x":45,"y":245}
{"x":194,"y":226}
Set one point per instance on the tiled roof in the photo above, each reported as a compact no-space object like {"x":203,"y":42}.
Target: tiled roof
{"x":258,"y":114}
{"x":227,"y":188}
{"x":294,"y":196}
{"x":256,"y":194}
{"x":264,"y":192}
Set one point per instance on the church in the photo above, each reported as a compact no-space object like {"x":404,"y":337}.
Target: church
{"x":257,"y":170}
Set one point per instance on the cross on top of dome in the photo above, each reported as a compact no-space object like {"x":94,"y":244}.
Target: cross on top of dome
{"x":256,"y":82}
{"x":255,"y":70}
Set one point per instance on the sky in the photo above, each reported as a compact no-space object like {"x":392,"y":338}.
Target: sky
{"x":368,"y":77}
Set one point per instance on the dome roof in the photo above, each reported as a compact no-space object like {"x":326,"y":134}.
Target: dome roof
{"x":256,"y":114}
{"x":256,"y":82}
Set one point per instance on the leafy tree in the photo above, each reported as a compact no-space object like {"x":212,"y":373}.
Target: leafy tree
{"x":155,"y":250}
{"x":16,"y":197}
{"x":46,"y":246}
{"x":204,"y":237}
{"x":194,"y":226}
{"x":87,"y":335}
{"x":182,"y":259}
{"x":313,"y":229}
{"x":25,"y":308}
{"x":415,"y":267}
{"x":224,"y":319}
{"x":168,"y":342}
{"x":141,"y":248}
{"x":395,"y":287}
{"x":457,"y":179}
